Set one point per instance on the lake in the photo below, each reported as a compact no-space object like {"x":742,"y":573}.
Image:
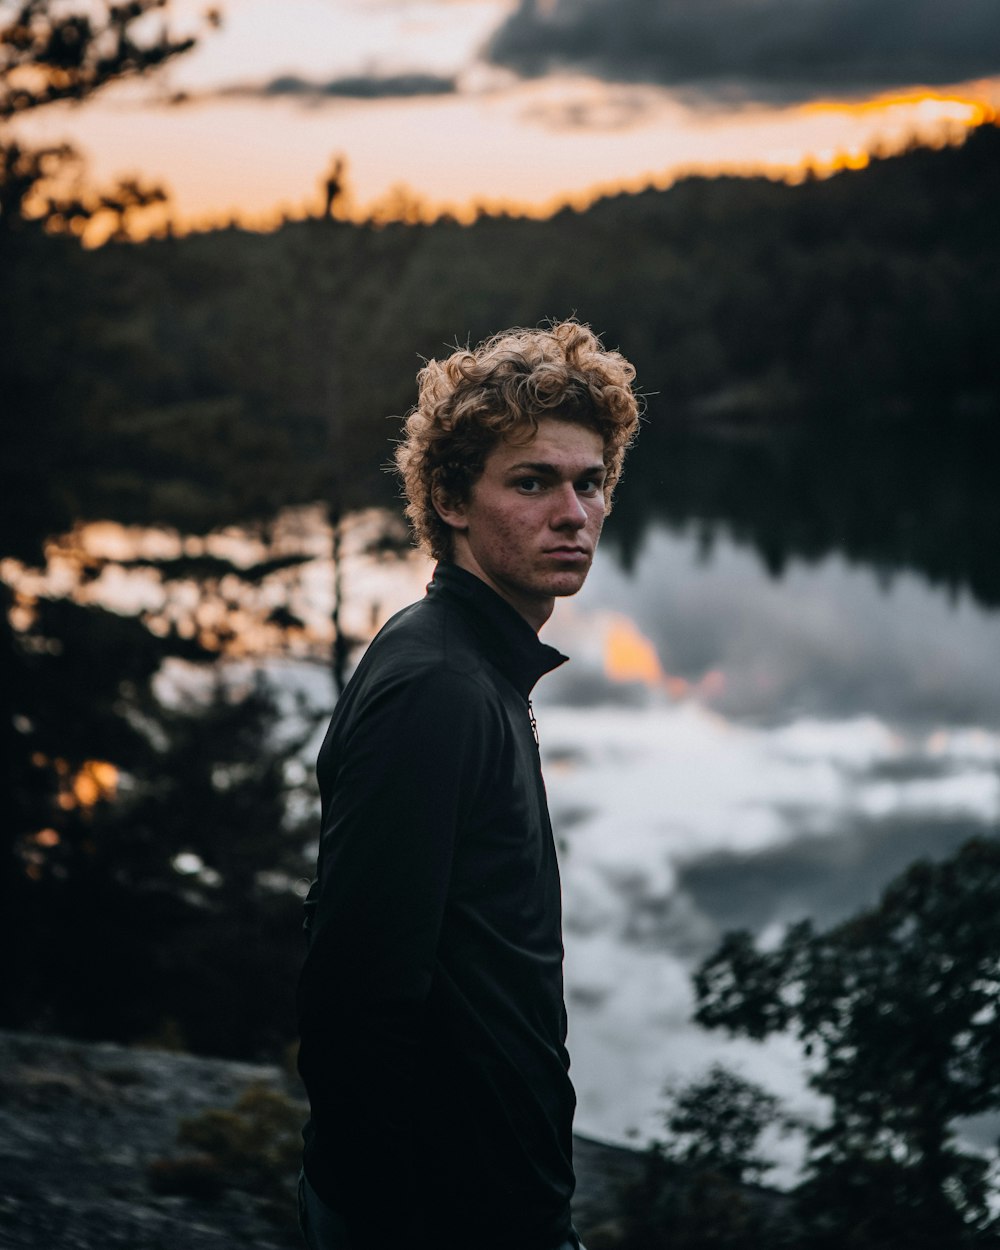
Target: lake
{"x":730,"y":750}
{"x":724,"y":750}
{"x":727,"y":750}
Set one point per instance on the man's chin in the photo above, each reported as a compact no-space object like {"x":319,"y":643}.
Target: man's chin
{"x":568,"y":584}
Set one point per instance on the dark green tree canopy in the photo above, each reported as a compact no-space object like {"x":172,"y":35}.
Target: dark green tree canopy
{"x":716,"y":1123}
{"x":898,"y":1009}
{"x":698,"y":1190}
{"x":51,"y":52}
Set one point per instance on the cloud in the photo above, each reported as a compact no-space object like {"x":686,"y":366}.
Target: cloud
{"x":613,"y":109}
{"x":776,"y":51}
{"x":350,"y":87}
{"x":826,"y":641}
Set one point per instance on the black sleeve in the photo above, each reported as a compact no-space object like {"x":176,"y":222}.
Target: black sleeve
{"x":406,"y":781}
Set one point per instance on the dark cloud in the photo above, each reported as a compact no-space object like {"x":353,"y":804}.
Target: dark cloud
{"x":763,"y":50}
{"x":826,"y":878}
{"x":352,"y":87}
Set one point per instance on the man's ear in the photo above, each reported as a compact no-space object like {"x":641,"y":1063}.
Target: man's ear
{"x":451,"y":511}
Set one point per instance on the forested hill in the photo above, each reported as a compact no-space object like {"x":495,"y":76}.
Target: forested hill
{"x":841,"y":331}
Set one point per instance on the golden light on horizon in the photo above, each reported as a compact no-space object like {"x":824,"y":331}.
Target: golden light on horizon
{"x":924,"y":117}
{"x":516,"y":148}
{"x":931,"y":105}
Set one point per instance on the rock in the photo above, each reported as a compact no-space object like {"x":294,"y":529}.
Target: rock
{"x":81,"y":1124}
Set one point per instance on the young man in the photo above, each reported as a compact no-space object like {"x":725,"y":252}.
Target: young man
{"x":431,"y":1006}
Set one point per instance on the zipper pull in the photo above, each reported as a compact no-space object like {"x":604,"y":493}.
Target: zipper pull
{"x":534,"y":724}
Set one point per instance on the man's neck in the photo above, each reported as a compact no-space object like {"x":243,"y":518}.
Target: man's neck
{"x":535,"y":611}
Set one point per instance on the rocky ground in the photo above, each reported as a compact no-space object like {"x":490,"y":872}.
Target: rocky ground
{"x":90,"y":1157}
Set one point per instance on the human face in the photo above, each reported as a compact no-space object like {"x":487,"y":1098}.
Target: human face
{"x":530,"y":525}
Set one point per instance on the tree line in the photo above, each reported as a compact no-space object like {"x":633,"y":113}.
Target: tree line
{"x":817,"y":359}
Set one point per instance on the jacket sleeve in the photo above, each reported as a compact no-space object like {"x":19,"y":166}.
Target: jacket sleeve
{"x":406,"y":781}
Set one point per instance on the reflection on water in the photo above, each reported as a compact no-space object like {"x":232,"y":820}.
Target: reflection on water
{"x":246,"y":594}
{"x":725,"y":750}
{"x":768,"y":750}
{"x":826,"y":639}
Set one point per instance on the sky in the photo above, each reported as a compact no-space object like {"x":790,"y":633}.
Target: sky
{"x":526,"y":104}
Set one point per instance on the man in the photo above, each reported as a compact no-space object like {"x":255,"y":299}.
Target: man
{"x":431,"y":1006}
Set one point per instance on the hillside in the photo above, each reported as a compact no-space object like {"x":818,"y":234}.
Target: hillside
{"x":834,"y":339}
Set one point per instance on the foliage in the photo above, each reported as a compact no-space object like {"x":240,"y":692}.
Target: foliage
{"x":696,"y":1190}
{"x":255,"y":1142}
{"x":22,"y":171}
{"x":715,"y":1124}
{"x":49,"y":53}
{"x":700,"y":1210}
{"x":52,"y":52}
{"x":107,"y":791}
{"x":254,"y":1147}
{"x":148,"y":853}
{"x":898,"y":1008}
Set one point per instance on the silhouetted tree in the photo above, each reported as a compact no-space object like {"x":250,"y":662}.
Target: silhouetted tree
{"x":696,"y":1191}
{"x":151,"y":850}
{"x":333,"y":186}
{"x":716,"y":1123}
{"x":899,"y":1009}
{"x":51,"y":52}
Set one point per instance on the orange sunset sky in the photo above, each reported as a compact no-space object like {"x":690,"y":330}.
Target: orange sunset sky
{"x":527,"y":103}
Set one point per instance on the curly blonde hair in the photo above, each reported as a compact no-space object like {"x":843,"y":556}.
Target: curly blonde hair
{"x":500,"y":390}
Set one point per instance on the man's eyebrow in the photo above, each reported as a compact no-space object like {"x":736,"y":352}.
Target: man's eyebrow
{"x":543,"y":467}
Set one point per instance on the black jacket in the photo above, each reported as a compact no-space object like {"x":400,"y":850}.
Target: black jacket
{"x":431,"y":1002}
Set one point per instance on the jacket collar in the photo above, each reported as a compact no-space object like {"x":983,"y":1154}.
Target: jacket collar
{"x":509,"y":641}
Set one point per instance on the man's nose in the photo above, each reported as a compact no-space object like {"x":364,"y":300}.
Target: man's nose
{"x":569,"y":512}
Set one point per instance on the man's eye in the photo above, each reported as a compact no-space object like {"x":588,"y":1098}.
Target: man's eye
{"x":588,"y":486}
{"x":529,"y":484}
